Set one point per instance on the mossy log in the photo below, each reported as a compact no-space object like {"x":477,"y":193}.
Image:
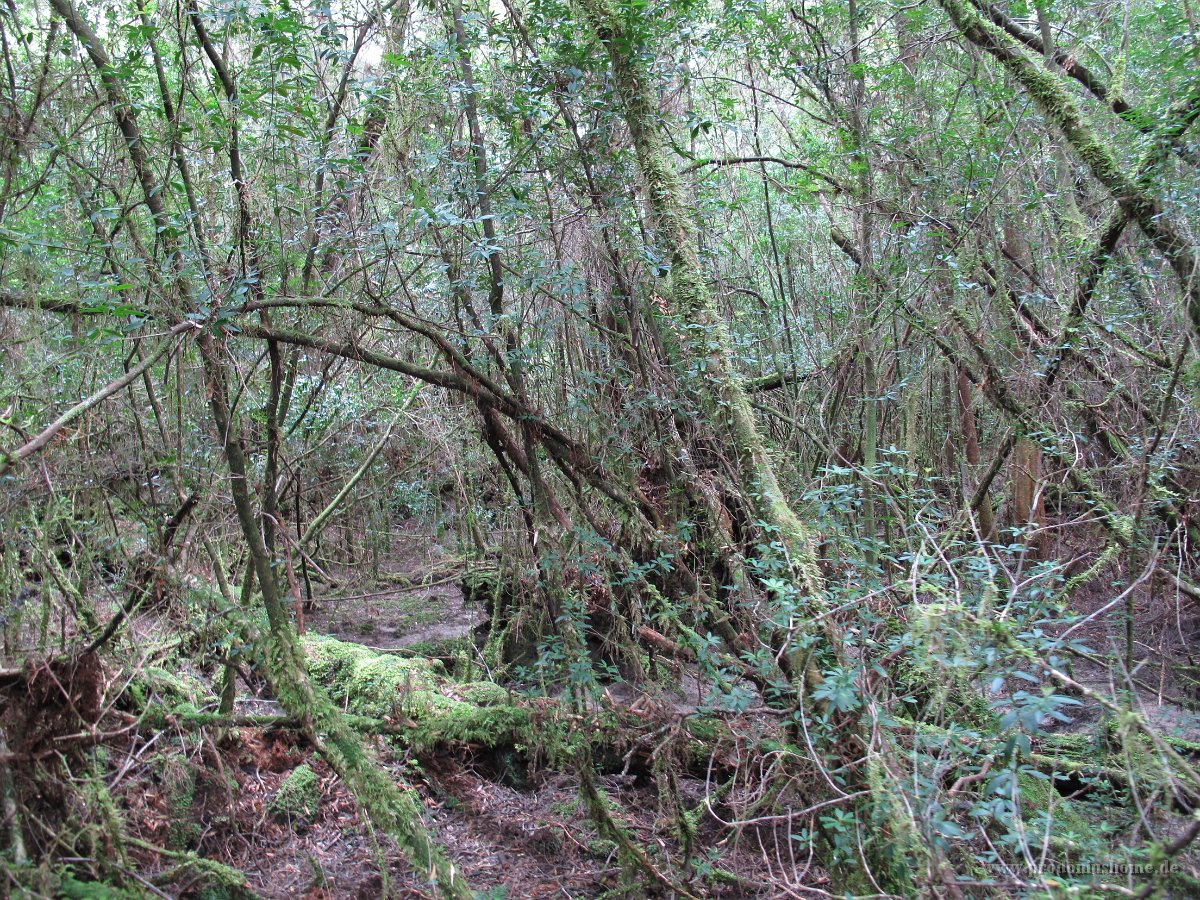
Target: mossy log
{"x":413,"y":700}
{"x":415,"y":694}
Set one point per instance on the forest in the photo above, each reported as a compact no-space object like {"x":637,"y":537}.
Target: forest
{"x":599,"y":449}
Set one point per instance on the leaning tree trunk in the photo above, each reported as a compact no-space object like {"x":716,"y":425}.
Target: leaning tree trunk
{"x":970,"y":439}
{"x":704,"y":342}
{"x":703,"y":335}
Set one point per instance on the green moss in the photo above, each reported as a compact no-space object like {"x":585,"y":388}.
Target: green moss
{"x":894,"y":832}
{"x":209,"y":879}
{"x":1078,"y":745}
{"x":72,"y":889}
{"x":457,"y":653}
{"x":464,"y":723}
{"x":377,"y":685}
{"x":1039,"y":796}
{"x":178,"y":780}
{"x":1115,"y":750}
{"x":439,"y":648}
{"x":482,"y":585}
{"x":166,"y":688}
{"x":366,"y":682}
{"x":104,"y":827}
{"x":1181,"y":745}
{"x":702,"y":729}
{"x":298,"y":797}
{"x":483,"y":693}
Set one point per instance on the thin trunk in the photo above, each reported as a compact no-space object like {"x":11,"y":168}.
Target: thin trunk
{"x":1028,"y":507}
{"x":970,"y":435}
{"x":870,"y":449}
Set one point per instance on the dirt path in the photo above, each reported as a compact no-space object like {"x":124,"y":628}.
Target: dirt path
{"x":416,"y":599}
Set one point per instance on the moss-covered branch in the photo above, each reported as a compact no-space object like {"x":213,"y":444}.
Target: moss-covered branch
{"x":1063,"y":111}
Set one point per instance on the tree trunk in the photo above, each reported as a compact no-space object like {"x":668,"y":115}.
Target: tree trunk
{"x":703,"y":335}
{"x":970,"y":435}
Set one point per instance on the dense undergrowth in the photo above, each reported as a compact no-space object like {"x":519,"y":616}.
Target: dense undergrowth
{"x":603,"y":448}
{"x":994,"y":765}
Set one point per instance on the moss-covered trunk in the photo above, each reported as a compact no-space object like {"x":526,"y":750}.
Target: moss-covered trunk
{"x":703,"y":335}
{"x":1061,"y":109}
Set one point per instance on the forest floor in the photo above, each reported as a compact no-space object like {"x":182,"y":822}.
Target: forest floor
{"x":513,"y":830}
{"x":415,"y":598}
{"x":531,"y":842}
{"x":1164,"y":684}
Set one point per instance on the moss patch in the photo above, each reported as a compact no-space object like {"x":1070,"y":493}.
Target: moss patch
{"x":368,"y":683}
{"x":415,"y":692}
{"x":440,"y":648}
{"x":178,"y":780}
{"x":154,"y":686}
{"x":484,"y":693}
{"x":298,"y":796}
{"x":72,"y":889}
